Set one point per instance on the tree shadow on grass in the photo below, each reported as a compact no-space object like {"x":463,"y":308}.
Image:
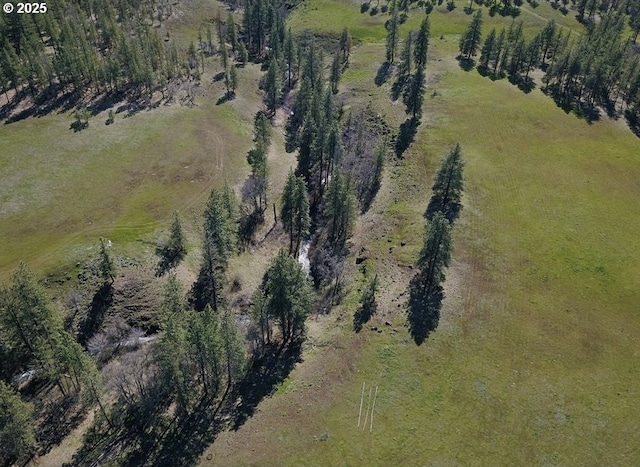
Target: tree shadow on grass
{"x":466,"y":64}
{"x":383,"y":74}
{"x":633,"y":120}
{"x":362,"y":316}
{"x":396,"y":89}
{"x":424,"y":312}
{"x":266,"y":372}
{"x":100,"y":304}
{"x":228,"y":96}
{"x":406,"y":135}
{"x":60,"y":416}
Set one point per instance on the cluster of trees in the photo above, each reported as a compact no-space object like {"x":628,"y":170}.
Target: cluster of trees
{"x":32,"y":336}
{"x":411,"y":75}
{"x":198,"y":353}
{"x":508,"y":54}
{"x":590,"y":10}
{"x":285,"y":296}
{"x":104,"y":46}
{"x":598,"y":68}
{"x":425,"y":289}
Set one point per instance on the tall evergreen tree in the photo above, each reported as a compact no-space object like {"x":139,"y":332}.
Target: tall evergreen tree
{"x":425,"y":291}
{"x":288,"y":296}
{"x":413,"y":96}
{"x":421,"y":49}
{"x":393,"y":29}
{"x":488,"y":49}
{"x":272,"y":87}
{"x":448,"y":186}
{"x":17,"y":431}
{"x":470,"y":40}
{"x":339,"y":209}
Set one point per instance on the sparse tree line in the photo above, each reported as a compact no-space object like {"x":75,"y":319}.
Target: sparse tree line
{"x":107,"y":46}
{"x":425,"y":289}
{"x":597,"y":68}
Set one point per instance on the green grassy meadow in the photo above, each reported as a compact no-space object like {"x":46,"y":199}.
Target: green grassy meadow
{"x":535,"y":361}
{"x":62,"y":190}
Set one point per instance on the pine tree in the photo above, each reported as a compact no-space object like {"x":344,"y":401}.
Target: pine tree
{"x":205,"y":351}
{"x":406,"y":56}
{"x":335,"y":73}
{"x":17,"y":430}
{"x":174,"y":250}
{"x":413,"y":96}
{"x":232,"y":36}
{"x":448,"y":186}
{"x":288,"y":296}
{"x":290,"y":57}
{"x":496,"y":52}
{"x":294,"y":211}
{"x":218,"y":245}
{"x":272,"y":87}
{"x":233,"y":80}
{"x":471,"y":38}
{"x":421,"y":49}
{"x":345,"y":46}
{"x":488,"y":49}
{"x":339,"y":209}
{"x":233,"y":349}
{"x":393,"y":28}
{"x":243,"y":55}
{"x":425,"y":291}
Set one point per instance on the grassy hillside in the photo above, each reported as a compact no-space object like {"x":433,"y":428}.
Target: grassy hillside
{"x":535,"y":359}
{"x":61,"y":190}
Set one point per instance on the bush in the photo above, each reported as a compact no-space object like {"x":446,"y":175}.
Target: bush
{"x":364,"y":7}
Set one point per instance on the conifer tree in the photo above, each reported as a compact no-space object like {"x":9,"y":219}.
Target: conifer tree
{"x":488,"y":49}
{"x":272,"y":87}
{"x":288,"y":296}
{"x":406,"y":57}
{"x":17,"y":431}
{"x":413,"y":96}
{"x":448,"y":186}
{"x":425,"y":291}
{"x":470,"y":40}
{"x":393,"y":28}
{"x":345,"y":46}
{"x":421,"y":49}
{"x":335,"y":73}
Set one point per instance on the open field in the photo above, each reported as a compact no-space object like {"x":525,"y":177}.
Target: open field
{"x":61,"y":190}
{"x":535,"y":359}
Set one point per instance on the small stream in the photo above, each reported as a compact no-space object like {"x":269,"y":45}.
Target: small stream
{"x":303,"y":256}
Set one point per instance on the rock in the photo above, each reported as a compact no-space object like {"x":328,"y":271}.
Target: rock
{"x":403,"y":243}
{"x":390,"y":249}
{"x":379,"y":331}
{"x":387,"y":323}
{"x":389,"y":240}
{"x":361,"y":259}
{"x":374,"y":328}
{"x":324,"y":436}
